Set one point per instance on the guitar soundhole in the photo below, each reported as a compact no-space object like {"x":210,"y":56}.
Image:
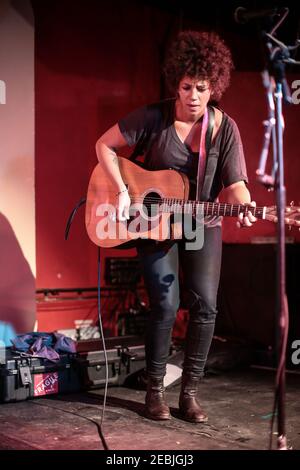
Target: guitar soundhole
{"x":151,"y":204}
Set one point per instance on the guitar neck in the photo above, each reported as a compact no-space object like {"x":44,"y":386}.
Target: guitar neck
{"x":210,"y":208}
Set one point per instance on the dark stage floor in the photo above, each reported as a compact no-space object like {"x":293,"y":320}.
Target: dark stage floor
{"x":239,"y":405}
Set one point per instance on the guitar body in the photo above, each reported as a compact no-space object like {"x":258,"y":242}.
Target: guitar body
{"x":100,"y":215}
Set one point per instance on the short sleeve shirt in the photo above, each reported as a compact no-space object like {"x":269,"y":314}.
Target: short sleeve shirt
{"x":164,"y":149}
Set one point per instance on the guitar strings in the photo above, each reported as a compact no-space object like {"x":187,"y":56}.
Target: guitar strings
{"x":205,"y":205}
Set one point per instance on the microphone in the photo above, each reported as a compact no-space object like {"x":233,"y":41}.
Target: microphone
{"x":242,"y":15}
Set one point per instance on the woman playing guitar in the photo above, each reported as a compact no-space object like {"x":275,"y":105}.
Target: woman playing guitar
{"x":187,"y":134}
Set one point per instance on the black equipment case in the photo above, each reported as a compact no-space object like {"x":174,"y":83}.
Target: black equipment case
{"x":28,"y":377}
{"x":23,"y":377}
{"x":125,"y":355}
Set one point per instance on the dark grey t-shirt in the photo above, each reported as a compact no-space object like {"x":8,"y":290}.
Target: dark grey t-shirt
{"x":155,"y":124}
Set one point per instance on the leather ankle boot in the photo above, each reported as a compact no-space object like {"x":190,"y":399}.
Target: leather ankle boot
{"x":156,"y":407}
{"x":190,"y":409}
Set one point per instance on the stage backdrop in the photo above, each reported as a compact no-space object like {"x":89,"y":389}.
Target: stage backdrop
{"x":95,"y":62}
{"x":17,"y":201}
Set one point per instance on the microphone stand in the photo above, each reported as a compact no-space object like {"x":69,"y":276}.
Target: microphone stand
{"x":277,"y":91}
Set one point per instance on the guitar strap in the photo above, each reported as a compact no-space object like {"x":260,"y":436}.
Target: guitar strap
{"x":206,"y":162}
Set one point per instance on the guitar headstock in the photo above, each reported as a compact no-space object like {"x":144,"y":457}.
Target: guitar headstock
{"x":292,"y":215}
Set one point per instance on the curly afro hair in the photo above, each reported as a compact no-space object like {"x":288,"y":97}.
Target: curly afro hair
{"x":201,"y":55}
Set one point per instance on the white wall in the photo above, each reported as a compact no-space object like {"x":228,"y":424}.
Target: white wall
{"x":17,"y":208}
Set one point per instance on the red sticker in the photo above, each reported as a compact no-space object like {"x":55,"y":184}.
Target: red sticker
{"x":45,"y":384}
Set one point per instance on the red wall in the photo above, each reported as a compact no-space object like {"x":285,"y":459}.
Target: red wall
{"x":91,"y":68}
{"x":93,"y":64}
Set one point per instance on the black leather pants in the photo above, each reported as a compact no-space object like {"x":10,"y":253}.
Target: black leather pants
{"x":201,"y":275}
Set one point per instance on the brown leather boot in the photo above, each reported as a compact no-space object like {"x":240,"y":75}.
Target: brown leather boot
{"x":190,"y":409}
{"x":156,"y":407}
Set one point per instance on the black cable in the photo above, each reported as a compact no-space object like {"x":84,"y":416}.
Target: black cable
{"x":72,"y":215}
{"x":67,"y":230}
{"x":102,"y":338}
{"x":102,"y":438}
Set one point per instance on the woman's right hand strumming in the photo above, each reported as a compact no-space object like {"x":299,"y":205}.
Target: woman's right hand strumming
{"x":122,"y":205}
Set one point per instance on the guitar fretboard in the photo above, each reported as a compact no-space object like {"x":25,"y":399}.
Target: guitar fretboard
{"x":204,"y":208}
